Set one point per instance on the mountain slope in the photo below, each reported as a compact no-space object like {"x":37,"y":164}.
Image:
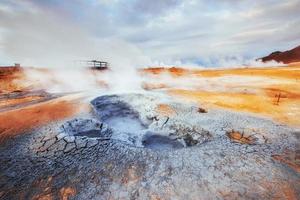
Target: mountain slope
{"x":286,"y":57}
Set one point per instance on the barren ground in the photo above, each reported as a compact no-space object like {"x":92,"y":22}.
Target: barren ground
{"x":193,"y":134}
{"x":253,"y":90}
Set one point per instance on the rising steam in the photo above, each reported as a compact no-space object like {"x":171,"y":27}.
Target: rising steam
{"x":39,"y":38}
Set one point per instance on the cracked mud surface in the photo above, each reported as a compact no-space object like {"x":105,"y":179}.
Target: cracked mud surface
{"x":126,"y":149}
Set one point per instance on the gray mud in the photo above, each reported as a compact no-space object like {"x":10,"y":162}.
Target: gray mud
{"x":159,"y":142}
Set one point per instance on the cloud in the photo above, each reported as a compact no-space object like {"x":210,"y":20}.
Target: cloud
{"x":161,"y":31}
{"x":39,"y":37}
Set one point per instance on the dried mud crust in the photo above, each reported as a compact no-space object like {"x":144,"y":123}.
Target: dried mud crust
{"x":86,"y":158}
{"x":140,"y":125}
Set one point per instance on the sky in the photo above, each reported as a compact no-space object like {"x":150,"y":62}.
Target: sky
{"x":144,"y":32}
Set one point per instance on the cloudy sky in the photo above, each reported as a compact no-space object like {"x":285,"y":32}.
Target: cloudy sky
{"x":144,"y":32}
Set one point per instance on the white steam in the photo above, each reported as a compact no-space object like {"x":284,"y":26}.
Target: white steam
{"x":239,"y":62}
{"x":40,"y":38}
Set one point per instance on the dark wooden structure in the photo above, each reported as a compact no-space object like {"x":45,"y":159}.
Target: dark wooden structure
{"x":95,"y":64}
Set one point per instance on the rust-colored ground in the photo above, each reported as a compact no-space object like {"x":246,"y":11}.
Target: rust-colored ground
{"x":8,"y":79}
{"x":17,"y":121}
{"x":291,"y":71}
{"x":290,"y":158}
{"x":17,"y":101}
{"x":44,"y":189}
{"x":24,"y":107}
{"x":275,"y":94}
{"x":165,"y":110}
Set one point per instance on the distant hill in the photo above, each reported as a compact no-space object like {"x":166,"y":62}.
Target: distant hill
{"x":286,"y":57}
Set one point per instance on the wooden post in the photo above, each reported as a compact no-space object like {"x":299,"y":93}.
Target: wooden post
{"x":278,"y":98}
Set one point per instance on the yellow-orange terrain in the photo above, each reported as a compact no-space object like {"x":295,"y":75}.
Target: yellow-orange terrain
{"x":16,"y":121}
{"x":272,"y":92}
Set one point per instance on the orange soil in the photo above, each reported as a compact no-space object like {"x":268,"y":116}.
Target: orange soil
{"x":173,"y":71}
{"x":12,"y":102}
{"x":240,"y":137}
{"x":8,"y":77}
{"x":290,"y":158}
{"x":18,"y":121}
{"x":149,"y":86}
{"x":276,"y":190}
{"x":165,"y":110}
{"x":255,"y":97}
{"x":291,"y":72}
{"x":286,"y":111}
{"x":279,"y":189}
{"x":67,"y":192}
{"x":44,"y":190}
